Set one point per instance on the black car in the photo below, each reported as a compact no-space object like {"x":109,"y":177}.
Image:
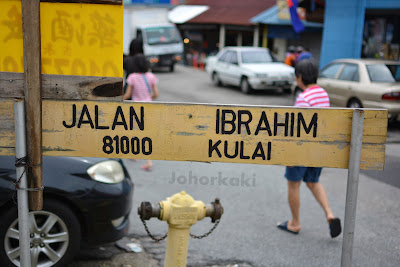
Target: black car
{"x":86,"y":201}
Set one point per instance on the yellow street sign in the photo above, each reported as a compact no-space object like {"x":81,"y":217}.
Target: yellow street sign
{"x":207,"y":133}
{"x":76,"y":38}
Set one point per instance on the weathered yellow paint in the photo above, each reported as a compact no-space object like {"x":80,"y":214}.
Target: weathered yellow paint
{"x":7,"y":128}
{"x":77,"y":39}
{"x":183,"y":132}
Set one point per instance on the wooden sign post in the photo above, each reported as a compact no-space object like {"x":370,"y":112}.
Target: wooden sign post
{"x":33,"y":99}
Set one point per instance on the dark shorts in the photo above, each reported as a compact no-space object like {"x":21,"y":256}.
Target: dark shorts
{"x":307,"y":174}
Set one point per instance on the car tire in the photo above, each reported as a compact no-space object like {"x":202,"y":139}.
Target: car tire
{"x":245,"y":86}
{"x":171,"y":68}
{"x":65,"y":225}
{"x":215,"y":79}
{"x":354,"y":103}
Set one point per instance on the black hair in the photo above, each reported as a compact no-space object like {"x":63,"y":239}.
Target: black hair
{"x":141,"y":63}
{"x":136,"y":47}
{"x":308,"y":71}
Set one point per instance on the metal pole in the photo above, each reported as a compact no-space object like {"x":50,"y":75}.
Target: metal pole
{"x":22,"y":195}
{"x":352,"y":186}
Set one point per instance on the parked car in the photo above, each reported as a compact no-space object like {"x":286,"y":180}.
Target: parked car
{"x":250,"y":68}
{"x":362,"y":83}
{"x":86,"y":201}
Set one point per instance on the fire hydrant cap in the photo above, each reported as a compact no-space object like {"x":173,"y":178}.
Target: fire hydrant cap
{"x":182,"y":199}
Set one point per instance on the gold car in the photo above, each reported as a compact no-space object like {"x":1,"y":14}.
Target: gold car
{"x":362,"y":83}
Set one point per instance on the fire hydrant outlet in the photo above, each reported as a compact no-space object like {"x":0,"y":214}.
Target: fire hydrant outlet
{"x":147,"y":211}
{"x":217,"y":211}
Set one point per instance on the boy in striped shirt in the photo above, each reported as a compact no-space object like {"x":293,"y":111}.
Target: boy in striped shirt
{"x":312,"y":96}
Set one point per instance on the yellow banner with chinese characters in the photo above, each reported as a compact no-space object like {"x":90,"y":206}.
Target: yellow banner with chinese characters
{"x":77,"y":39}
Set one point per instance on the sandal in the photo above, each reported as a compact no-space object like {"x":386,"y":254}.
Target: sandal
{"x":335,"y":227}
{"x":284,"y":227}
{"x":146,"y":168}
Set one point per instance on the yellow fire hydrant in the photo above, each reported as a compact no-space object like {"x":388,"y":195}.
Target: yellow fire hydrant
{"x":181,"y":211}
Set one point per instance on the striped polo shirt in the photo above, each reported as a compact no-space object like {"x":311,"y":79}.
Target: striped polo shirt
{"x":314,"y":96}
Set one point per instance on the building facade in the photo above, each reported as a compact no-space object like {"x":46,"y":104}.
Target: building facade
{"x":361,"y":28}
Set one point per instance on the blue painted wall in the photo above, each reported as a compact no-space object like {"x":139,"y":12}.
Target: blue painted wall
{"x":344,"y":25}
{"x":343,"y":28}
{"x":382,"y":4}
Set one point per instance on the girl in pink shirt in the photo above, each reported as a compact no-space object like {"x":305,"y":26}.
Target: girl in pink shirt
{"x":142,"y":86}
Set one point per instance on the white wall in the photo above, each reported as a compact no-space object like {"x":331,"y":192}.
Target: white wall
{"x":280,"y":46}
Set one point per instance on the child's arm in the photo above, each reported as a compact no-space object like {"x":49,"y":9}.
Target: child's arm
{"x":154,"y":92}
{"x":128,"y":93}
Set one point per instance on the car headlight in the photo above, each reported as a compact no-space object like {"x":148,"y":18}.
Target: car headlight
{"x":118,"y":222}
{"x":153,"y":59}
{"x":109,"y":172}
{"x":261,"y":75}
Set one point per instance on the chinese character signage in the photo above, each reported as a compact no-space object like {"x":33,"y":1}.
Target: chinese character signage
{"x":77,"y":39}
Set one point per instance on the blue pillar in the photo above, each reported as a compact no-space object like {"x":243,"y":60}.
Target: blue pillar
{"x":343,"y":30}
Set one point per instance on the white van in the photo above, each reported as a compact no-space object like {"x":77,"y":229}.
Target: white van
{"x":162,"y":44}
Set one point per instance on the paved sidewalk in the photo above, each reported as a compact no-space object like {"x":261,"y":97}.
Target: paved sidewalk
{"x":109,"y":255}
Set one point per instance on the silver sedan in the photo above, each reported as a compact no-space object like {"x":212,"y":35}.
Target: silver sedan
{"x":362,"y":83}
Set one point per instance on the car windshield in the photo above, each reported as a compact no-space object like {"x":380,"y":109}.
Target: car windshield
{"x":384,"y":72}
{"x":256,"y":57}
{"x":162,"y":35}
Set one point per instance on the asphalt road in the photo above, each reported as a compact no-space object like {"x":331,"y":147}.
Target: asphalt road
{"x":391,"y":174}
{"x":193,"y":85}
{"x":247,"y":232}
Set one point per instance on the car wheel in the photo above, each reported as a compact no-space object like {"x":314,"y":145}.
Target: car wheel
{"x":215,"y":79}
{"x":54,"y":235}
{"x":354,"y":103}
{"x":245,"y":86}
{"x":171,"y":68}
